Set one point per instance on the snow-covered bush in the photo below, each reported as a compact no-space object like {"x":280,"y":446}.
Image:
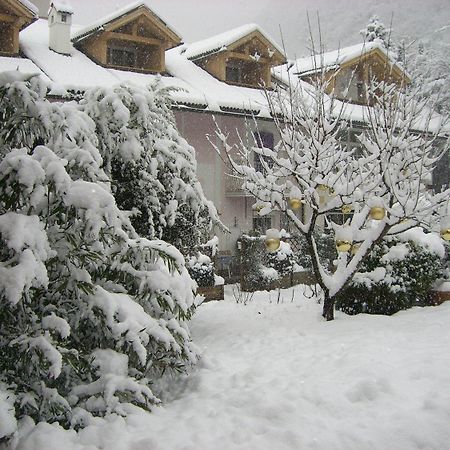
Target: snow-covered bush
{"x":152,"y":167}
{"x":252,"y":260}
{"x":91,"y":314}
{"x":282,"y":261}
{"x":262,"y":267}
{"x":395,"y":275}
{"x":326,"y":249}
{"x":201,"y":269}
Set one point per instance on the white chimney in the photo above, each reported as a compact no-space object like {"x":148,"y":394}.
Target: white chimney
{"x":59,"y":23}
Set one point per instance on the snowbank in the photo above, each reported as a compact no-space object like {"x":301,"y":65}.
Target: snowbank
{"x":275,"y":376}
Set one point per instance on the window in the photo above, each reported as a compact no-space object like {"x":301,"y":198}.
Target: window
{"x":338,"y":217}
{"x":262,"y":224}
{"x":360,"y":89}
{"x":124,"y":57}
{"x":263,"y":140}
{"x":63,"y":17}
{"x":234,"y":73}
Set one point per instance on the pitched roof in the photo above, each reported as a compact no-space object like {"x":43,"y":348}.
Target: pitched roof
{"x":98,"y":25}
{"x":336,"y":58}
{"x":222,"y":41}
{"x":192,"y":86}
{"x":32,"y":8}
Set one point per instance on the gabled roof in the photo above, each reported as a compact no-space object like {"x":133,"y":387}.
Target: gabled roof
{"x":32,"y":8}
{"x":341,"y":57}
{"x":25,"y":9}
{"x":137,"y":7}
{"x":192,"y":86}
{"x":228,"y":41}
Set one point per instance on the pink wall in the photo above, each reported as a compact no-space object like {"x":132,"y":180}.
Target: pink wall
{"x":234,"y":207}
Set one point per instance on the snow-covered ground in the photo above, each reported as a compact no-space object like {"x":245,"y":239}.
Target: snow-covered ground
{"x":275,"y":376}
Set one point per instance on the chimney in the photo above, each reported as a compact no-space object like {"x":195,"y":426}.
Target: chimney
{"x":59,"y":23}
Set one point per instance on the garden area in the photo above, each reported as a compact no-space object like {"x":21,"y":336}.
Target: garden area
{"x":273,"y":375}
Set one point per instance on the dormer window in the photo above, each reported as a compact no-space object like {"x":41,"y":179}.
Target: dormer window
{"x":234,"y":73}
{"x":122,"y":57}
{"x":64,"y":17}
{"x":135,"y":39}
{"x":245,"y":61}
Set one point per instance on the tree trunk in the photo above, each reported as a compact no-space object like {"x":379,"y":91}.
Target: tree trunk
{"x":328,"y":307}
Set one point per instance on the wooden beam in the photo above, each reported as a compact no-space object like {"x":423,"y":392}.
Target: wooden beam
{"x":241,"y":56}
{"x":7,"y":18}
{"x":140,"y":13}
{"x":16,"y":41}
{"x":129,"y":38}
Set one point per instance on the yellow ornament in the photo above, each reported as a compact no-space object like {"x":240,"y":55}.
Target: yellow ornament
{"x":295,"y":203}
{"x":347,"y":209}
{"x":272,"y":244}
{"x":343,"y":246}
{"x":377,"y":213}
{"x":445,"y":234}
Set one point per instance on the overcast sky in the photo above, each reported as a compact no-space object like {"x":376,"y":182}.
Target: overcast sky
{"x":340,"y":20}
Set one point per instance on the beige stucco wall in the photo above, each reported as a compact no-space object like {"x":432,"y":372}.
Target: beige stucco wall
{"x":234,"y":207}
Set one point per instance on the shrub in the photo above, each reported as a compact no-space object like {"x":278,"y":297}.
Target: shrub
{"x":91,"y":314}
{"x":396,"y":275}
{"x":201,"y":269}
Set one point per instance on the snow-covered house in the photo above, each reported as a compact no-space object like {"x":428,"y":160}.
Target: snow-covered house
{"x":349,"y":70}
{"x":218,"y":83}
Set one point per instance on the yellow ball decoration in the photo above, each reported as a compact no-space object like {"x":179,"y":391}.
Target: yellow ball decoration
{"x":347,"y":209}
{"x":272,"y":244}
{"x":445,"y":234}
{"x":295,"y":203}
{"x":377,"y":213}
{"x":343,"y":246}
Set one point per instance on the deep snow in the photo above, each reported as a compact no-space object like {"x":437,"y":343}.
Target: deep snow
{"x":276,"y":376}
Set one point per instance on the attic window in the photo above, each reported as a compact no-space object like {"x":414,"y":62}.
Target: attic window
{"x":64,"y":17}
{"x":234,"y":73}
{"x":121,"y":56}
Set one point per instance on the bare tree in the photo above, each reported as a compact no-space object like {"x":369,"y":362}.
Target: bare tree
{"x":382,"y":184}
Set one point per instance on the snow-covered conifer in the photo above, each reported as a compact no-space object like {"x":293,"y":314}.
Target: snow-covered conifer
{"x":430,"y":70}
{"x":152,"y":167}
{"x":376,"y":31}
{"x":91,"y":314}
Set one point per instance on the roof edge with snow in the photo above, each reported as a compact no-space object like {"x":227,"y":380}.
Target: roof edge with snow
{"x":31,"y":7}
{"x":343,"y":56}
{"x":98,"y":25}
{"x":220,"y":42}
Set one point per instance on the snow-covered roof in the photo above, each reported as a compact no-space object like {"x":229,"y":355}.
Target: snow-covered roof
{"x":100,"y":23}
{"x":193,"y":86}
{"x":218,"y":95}
{"x":221,"y":41}
{"x":32,"y":8}
{"x":336,"y":58}
{"x":76,"y":72}
{"x":23,"y":65}
{"x":62,"y":6}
